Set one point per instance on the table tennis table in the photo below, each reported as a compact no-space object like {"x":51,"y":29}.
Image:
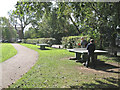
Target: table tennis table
{"x":42,"y":46}
{"x":82,"y":53}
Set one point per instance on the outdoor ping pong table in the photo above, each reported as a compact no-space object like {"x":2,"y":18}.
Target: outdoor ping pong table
{"x":42,"y":46}
{"x":84,"y":53}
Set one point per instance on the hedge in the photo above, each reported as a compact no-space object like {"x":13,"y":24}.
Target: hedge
{"x":49,"y":41}
{"x":73,"y":41}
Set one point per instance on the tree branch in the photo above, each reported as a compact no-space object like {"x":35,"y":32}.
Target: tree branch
{"x":95,"y":10}
{"x":74,"y":24}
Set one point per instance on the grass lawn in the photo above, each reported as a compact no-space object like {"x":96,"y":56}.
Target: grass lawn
{"x":54,"y":70}
{"x":7,"y":51}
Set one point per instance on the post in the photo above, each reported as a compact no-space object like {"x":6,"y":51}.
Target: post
{"x":95,"y":56}
{"x":42,"y":47}
{"x":84,"y":57}
{"x":78,"y":56}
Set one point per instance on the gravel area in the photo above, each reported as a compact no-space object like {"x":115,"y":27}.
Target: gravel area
{"x":12,"y":69}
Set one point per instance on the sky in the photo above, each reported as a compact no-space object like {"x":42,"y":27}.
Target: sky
{"x":5,"y":6}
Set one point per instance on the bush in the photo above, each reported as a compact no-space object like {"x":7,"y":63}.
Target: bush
{"x":49,"y":41}
{"x":72,"y":41}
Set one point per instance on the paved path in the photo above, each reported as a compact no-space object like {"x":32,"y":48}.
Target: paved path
{"x":15,"y":67}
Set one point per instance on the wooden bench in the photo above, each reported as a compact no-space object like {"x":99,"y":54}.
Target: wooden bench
{"x":42,"y":46}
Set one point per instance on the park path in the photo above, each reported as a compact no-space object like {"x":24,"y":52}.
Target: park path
{"x":13,"y":68}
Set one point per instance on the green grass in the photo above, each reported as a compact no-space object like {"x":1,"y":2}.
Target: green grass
{"x":54,"y":70}
{"x":109,"y":58}
{"x":7,"y":51}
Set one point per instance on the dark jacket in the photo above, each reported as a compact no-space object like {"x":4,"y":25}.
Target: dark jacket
{"x":91,"y":48}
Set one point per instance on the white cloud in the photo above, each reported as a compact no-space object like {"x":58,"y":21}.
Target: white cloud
{"x":5,"y":6}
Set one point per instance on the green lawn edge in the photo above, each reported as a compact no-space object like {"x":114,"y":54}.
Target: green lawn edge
{"x":7,"y":51}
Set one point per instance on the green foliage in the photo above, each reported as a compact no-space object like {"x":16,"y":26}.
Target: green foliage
{"x":7,"y":50}
{"x":72,"y":41}
{"x":50,"y":26}
{"x":27,"y":13}
{"x":8,"y":32}
{"x":96,"y":19}
{"x":49,"y":41}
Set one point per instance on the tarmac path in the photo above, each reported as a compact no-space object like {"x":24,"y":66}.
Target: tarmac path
{"x":12,"y":69}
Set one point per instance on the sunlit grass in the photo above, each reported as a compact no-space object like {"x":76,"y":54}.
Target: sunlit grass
{"x":54,"y":70}
{"x":7,"y":51}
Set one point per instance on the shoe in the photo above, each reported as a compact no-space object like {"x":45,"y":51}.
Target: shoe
{"x":84,"y":64}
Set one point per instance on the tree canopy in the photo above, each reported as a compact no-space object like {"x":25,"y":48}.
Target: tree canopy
{"x":8,"y":32}
{"x":99,"y":20}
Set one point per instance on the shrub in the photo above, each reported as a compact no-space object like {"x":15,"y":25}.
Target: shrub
{"x":72,"y":41}
{"x":49,"y":41}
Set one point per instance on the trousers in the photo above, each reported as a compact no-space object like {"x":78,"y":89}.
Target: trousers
{"x":90,"y":58}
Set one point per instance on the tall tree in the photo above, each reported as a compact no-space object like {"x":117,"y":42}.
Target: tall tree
{"x":8,"y":32}
{"x":97,"y":18}
{"x":22,"y":16}
{"x":107,"y":20}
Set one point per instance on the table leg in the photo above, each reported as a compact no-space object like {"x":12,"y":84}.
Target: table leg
{"x":42,"y":47}
{"x":78,"y":56}
{"x":95,"y":56}
{"x":85,"y":57}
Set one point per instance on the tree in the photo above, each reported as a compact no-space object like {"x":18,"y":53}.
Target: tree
{"x":108,"y":20}
{"x":94,"y":18}
{"x":8,"y":32}
{"x":22,"y":16}
{"x":98,"y":19}
{"x":50,"y":26}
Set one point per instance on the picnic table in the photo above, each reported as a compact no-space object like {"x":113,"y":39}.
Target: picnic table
{"x":84,"y":53}
{"x":42,"y":46}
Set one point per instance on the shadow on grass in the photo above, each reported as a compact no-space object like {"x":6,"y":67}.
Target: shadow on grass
{"x":44,"y":49}
{"x":101,"y":65}
{"x":104,"y":83}
{"x":114,"y":58}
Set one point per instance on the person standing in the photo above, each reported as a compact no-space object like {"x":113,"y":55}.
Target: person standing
{"x":91,"y":49}
{"x":83,"y":43}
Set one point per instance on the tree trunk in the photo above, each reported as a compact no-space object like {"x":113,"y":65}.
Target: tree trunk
{"x":74,"y":24}
{"x":101,"y":42}
{"x":21,"y":34}
{"x":113,"y":44}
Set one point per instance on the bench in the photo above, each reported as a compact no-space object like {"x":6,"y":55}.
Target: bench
{"x":42,"y":46}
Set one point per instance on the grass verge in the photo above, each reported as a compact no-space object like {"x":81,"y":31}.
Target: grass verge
{"x":54,"y":70}
{"x":7,"y":51}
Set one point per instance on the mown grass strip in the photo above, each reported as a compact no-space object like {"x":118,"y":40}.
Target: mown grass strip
{"x":7,"y":51}
{"x":54,"y":70}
